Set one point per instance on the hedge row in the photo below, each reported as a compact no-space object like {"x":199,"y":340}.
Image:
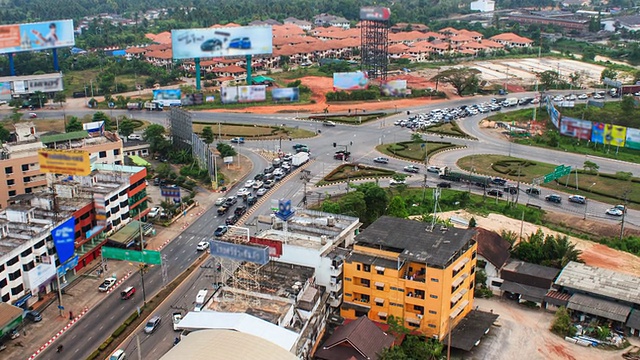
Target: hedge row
{"x":113,"y":336}
{"x":505,"y":166}
{"x":363,"y":172}
{"x":274,"y":129}
{"x":403,"y":145}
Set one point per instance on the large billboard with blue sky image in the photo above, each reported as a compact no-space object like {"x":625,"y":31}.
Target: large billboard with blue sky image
{"x":36,"y":36}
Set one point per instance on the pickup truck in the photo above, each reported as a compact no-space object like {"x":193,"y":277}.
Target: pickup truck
{"x":176,"y":317}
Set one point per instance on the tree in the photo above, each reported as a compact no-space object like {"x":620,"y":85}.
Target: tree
{"x":397,"y":208}
{"x":332,"y":207}
{"x":472,"y":223}
{"x":4,"y":133}
{"x":608,"y":73}
{"x":163,"y":170}
{"x":562,"y":323}
{"x":127,"y":127}
{"x":60,"y":98}
{"x":591,"y":167}
{"x":376,"y":200}
{"x":73,"y":125}
{"x":549,"y":78}
{"x":153,"y":132}
{"x":463,"y":79}
{"x":353,"y":204}
{"x":225,"y":149}
{"x":207,"y":135}
{"x":101,"y":116}
{"x":416,"y":137}
{"x":589,"y":54}
{"x":554,"y":251}
{"x":628,"y":104}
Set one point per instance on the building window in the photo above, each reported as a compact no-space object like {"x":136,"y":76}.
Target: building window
{"x":379,"y":287}
{"x":383,"y":317}
{"x":116,"y":152}
{"x":432,"y":326}
{"x":433,"y":312}
{"x":12,"y":261}
{"x":17,"y":290}
{"x":364,"y":298}
{"x":26,"y":179}
{"x":365,"y":282}
{"x":8,"y":170}
{"x":347,"y":279}
{"x":15,"y":275}
{"x":12,"y":193}
{"x":348,"y":295}
{"x":3,"y":283}
{"x":358,"y":267}
{"x":11,"y":182}
{"x":25,"y":167}
{"x":26,"y":252}
{"x":6,"y":297}
{"x":28,"y":190}
{"x":473,"y":256}
{"x":118,"y":162}
{"x":380,"y":272}
{"x":102,"y":154}
{"x":29,"y":266}
{"x":435,"y":280}
{"x":367,"y":267}
{"x":433,"y":296}
{"x":496,"y":283}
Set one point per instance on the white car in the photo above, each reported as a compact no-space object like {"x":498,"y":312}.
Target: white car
{"x":614,"y":212}
{"x":393,"y":182}
{"x":558,"y":98}
{"x":571,"y":97}
{"x":107,"y":284}
{"x":261,"y":192}
{"x":176,"y":320}
{"x":243,"y":192}
{"x":258,"y":184}
{"x":135,"y":137}
{"x":433,"y":169}
{"x":249,"y":183}
{"x":583,"y":96}
{"x":220,"y":201}
{"x":202,"y":246}
{"x":154,"y":212}
{"x":598,"y":96}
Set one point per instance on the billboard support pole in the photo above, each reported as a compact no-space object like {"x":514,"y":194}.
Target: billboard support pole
{"x":54,"y":55}
{"x":12,"y":68}
{"x":249,"y":79}
{"x":197,"y":61}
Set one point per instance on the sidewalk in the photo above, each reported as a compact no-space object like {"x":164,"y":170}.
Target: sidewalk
{"x":81,"y":295}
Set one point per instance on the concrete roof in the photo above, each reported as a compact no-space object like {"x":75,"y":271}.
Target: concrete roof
{"x":603,"y":282}
{"x":224,"y":345}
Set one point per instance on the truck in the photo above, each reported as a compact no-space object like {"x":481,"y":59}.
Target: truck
{"x":630,"y":89}
{"x":153,"y":106}
{"x":458,"y":176}
{"x":510,"y":102}
{"x":134,"y":106}
{"x":176,"y":317}
{"x":299,"y":158}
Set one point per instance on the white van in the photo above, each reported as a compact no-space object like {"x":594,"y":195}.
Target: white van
{"x":200,"y":299}
{"x":118,"y":355}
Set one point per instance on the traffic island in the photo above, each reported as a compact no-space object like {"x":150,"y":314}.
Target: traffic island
{"x":415,"y":150}
{"x":354,"y":172}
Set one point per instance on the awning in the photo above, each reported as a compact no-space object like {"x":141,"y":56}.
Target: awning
{"x":355,"y":306}
{"x":127,"y":235}
{"x":138,"y":160}
{"x":378,"y":301}
{"x":557,"y":298}
{"x":461,"y":264}
{"x":382,"y":313}
{"x":527,"y":292}
{"x":599,"y":307}
{"x":379,"y":284}
{"x":413,"y":321}
{"x":470,"y":330}
{"x":459,"y":295}
{"x":634,"y":319}
{"x":460,"y":280}
{"x":459,"y":309}
{"x":380,"y":268}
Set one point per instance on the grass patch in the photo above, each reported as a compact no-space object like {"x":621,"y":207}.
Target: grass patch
{"x":46,"y":125}
{"x":253,"y":131}
{"x":282,"y":77}
{"x":520,"y":116}
{"x":414,"y":150}
{"x":351,"y":119}
{"x":305,"y":98}
{"x":356,"y":172}
{"x":449,"y":129}
{"x":75,"y":81}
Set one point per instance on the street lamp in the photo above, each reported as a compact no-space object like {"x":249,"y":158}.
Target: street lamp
{"x":586,"y":203}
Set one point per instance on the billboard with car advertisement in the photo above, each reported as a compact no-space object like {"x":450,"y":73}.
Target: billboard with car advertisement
{"x":576,"y":128}
{"x":64,"y":239}
{"x":36,"y":36}
{"x":285,"y":94}
{"x":615,"y":135}
{"x":67,"y":162}
{"x":242,"y":94}
{"x":350,"y":81}
{"x":394,"y":88}
{"x":220,"y":42}
{"x":633,"y":139}
{"x":167,"y":97}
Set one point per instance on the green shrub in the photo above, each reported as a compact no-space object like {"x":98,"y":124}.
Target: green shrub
{"x":94,"y":355}
{"x":119,"y":330}
{"x":106,"y":343}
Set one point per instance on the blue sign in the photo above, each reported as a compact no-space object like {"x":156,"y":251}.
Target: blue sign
{"x":254,"y":254}
{"x":285,"y":210}
{"x":170,"y":191}
{"x":69,"y":265}
{"x":63,"y":238}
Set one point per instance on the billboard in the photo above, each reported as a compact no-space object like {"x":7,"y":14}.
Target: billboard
{"x":45,"y":85}
{"x":36,"y":36}
{"x":101,"y":210}
{"x":145,"y":256}
{"x":394,"y":88}
{"x":64,"y":239}
{"x":576,"y":128}
{"x":597,"y":133}
{"x":375,"y":13}
{"x":218,"y":42}
{"x":254,"y":254}
{"x":555,"y":116}
{"x":633,"y":139}
{"x":167,"y":97}
{"x":275,"y":247}
{"x":193,"y":99}
{"x":67,"y":162}
{"x":350,"y":81}
{"x":285,"y":94}
{"x":170,"y":192}
{"x":615,"y":135}
{"x":5,"y":91}
{"x":251,"y":93}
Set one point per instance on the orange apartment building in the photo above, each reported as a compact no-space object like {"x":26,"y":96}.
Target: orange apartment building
{"x":19,"y":168}
{"x":401,"y":268}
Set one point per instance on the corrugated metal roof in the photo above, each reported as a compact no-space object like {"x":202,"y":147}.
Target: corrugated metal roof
{"x":599,"y":307}
{"x":634,"y":319}
{"x":600,"y":281}
{"x":527,"y":292}
{"x":74,"y":135}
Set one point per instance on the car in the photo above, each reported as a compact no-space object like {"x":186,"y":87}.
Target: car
{"x":155,"y":211}
{"x":231,"y":220}
{"x":583,"y":96}
{"x":220,"y":230}
{"x":499,"y":181}
{"x":33,"y":115}
{"x":267,"y":177}
{"x":127,"y":293}
{"x":269,"y":184}
{"x":533,"y":191}
{"x":211,"y":45}
{"x":621,"y":208}
{"x":381,"y":160}
{"x":571,"y":97}
{"x":433,"y":169}
{"x":286,"y":167}
{"x":394,"y":182}
{"x":269,"y":169}
{"x":240,"y":210}
{"x":553,"y":198}
{"x":411,"y":169}
{"x":342,"y":155}
{"x":276,"y":162}
{"x":444,"y":184}
{"x":251,"y":200}
{"x":107,"y":284}
{"x":258,"y":184}
{"x":511,"y":190}
{"x":558,"y":98}
{"x":287,"y":157}
{"x":261,"y":191}
{"x":494,"y":192}
{"x":240,"y":43}
{"x":152,"y":325}
{"x":278,"y":176}
{"x":176,"y":317}
{"x":243,"y":192}
{"x":598,"y":96}
{"x":614,"y":212}
{"x":237,"y":140}
{"x":231,"y":200}
{"x":328,"y":123}
{"x":298,"y":146}
{"x":223,"y":210}
{"x":134,"y":137}
{"x":202,"y":246}
{"x":32,"y":315}
{"x":220,"y":201}
{"x":578,"y":199}
{"x":258,"y":177}
{"x":249,"y":183}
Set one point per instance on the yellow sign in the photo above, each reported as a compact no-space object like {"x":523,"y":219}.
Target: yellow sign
{"x":66,"y":162}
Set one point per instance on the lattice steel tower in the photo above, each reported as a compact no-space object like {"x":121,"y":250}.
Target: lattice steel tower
{"x":374,"y":48}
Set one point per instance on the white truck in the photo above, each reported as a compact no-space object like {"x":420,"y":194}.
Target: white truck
{"x":299,"y":158}
{"x":176,"y":320}
{"x":200,"y":299}
{"x":510,"y":102}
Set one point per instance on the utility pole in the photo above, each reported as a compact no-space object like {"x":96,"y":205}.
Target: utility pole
{"x":624,"y":212}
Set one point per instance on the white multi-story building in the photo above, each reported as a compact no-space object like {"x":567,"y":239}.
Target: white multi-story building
{"x":483,"y":5}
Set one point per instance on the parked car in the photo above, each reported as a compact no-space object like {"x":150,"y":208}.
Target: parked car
{"x":220,"y":201}
{"x":135,"y":137}
{"x":444,"y":184}
{"x":220,"y":230}
{"x":107,"y":284}
{"x":261,"y":191}
{"x":533,"y":191}
{"x":614,"y":212}
{"x":499,"y":181}
{"x":553,"y":198}
{"x":583,"y":97}
{"x":381,"y":160}
{"x":155,"y":211}
{"x":33,"y":115}
{"x":494,"y":192}
{"x":211,"y":45}
{"x":411,"y":169}
{"x":202,"y":246}
{"x":328,"y":123}
{"x":394,"y":182}
{"x":237,"y":140}
{"x":33,"y":315}
{"x":240,"y":43}
{"x":433,"y":169}
{"x":621,"y":208}
{"x":152,"y":325}
{"x":578,"y":199}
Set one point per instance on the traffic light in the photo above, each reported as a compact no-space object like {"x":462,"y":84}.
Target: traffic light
{"x":334,"y":144}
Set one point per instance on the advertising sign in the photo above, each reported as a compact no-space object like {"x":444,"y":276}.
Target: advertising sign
{"x":63,"y":239}
{"x":19,"y":87}
{"x":69,"y":265}
{"x":285,"y":94}
{"x":275,"y":247}
{"x":285,"y":210}
{"x":170,"y":192}
{"x":597,"y":133}
{"x":36,"y":36}
{"x":38,"y":276}
{"x":167,"y":97}
{"x":251,"y":93}
{"x":633,"y":139}
{"x":193,"y":99}
{"x":45,"y":85}
{"x":101,"y":210}
{"x":219,"y":42}
{"x":67,"y":162}
{"x":350,"y":81}
{"x":5,"y":91}
{"x":394,"y":88}
{"x":555,"y":116}
{"x":375,"y":13}
{"x":615,"y":135}
{"x":254,"y":254}
{"x":576,"y":128}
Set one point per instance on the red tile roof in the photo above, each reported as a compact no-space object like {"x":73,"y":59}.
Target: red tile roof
{"x":232,"y":69}
{"x":136,"y":50}
{"x":511,"y":37}
{"x":492,"y":247}
{"x":359,"y":339}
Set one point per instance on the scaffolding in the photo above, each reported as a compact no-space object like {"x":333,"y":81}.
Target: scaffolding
{"x":374,"y":50}
{"x":242,"y":275}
